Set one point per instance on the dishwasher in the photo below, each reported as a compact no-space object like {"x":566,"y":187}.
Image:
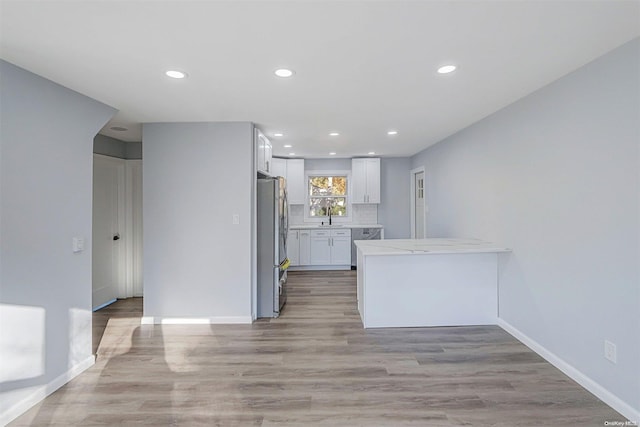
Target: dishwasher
{"x":362,"y":234}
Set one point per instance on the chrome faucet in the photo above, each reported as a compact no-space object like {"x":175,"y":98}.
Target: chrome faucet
{"x":329,"y":215}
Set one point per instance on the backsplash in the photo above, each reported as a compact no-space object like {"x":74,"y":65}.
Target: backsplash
{"x":365,"y":214}
{"x":361,"y":214}
{"x":296,"y":214}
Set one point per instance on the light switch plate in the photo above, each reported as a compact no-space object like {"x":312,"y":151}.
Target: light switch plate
{"x":78,"y":244}
{"x":236,"y":219}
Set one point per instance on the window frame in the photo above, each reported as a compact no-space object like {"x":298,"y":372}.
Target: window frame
{"x":307,"y":197}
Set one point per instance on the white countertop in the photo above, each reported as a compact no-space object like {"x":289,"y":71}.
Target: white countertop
{"x":338,"y":226}
{"x":426,"y":246}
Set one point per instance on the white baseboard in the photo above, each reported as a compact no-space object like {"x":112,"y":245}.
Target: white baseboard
{"x":319,"y":267}
{"x":217,"y":320}
{"x":599,"y":391}
{"x":44,"y":390}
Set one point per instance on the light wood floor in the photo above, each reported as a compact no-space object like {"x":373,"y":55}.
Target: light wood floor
{"x":314,"y":366}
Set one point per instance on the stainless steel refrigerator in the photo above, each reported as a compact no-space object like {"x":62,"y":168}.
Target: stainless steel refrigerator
{"x":272,"y":246}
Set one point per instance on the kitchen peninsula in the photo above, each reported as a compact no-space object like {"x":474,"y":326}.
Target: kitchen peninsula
{"x":427,"y":282}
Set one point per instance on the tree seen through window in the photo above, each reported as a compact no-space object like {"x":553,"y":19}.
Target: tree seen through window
{"x":327,"y":192}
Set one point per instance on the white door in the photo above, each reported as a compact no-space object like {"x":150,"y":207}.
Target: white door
{"x":419,"y":204}
{"x":108,"y":183}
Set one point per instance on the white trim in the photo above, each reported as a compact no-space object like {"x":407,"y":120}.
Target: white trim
{"x":412,"y":175}
{"x":336,"y":219}
{"x":319,"y":267}
{"x":41,"y":392}
{"x":254,"y":235}
{"x":120,"y":164}
{"x":133,"y":228}
{"x":592,"y":386}
{"x":217,"y":320}
{"x":104,"y":305}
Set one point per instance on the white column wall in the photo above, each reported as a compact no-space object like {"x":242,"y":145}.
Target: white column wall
{"x":197,"y":264}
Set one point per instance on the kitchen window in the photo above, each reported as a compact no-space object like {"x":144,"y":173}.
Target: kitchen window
{"x":328,"y":191}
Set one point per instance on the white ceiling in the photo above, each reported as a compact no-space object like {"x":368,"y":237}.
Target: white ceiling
{"x":362,"y":67}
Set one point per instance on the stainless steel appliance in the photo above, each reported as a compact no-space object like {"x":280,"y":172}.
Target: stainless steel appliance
{"x":362,"y":234}
{"x":272,"y":246}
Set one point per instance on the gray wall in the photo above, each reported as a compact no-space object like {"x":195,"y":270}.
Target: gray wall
{"x":555,"y":176}
{"x":46,"y":144}
{"x":116,"y":148}
{"x":327,"y":164}
{"x":195,"y":177}
{"x":133,"y":150}
{"x":394,"y":211}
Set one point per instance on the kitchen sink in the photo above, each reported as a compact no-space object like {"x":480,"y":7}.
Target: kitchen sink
{"x":332,"y":225}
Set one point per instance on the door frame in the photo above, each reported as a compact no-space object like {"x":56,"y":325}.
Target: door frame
{"x":133,"y":283}
{"x":412,"y":175}
{"x":121,"y":220}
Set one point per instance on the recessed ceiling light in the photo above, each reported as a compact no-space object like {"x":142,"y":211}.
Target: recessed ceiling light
{"x":371,"y":153}
{"x":392,"y":132}
{"x":334,"y":134}
{"x":283,"y":72}
{"x":175,"y":74}
{"x":447,"y":69}
{"x":333,"y":153}
{"x":288,"y":146}
{"x":278,"y":134}
{"x":118,"y":128}
{"x":292,"y":154}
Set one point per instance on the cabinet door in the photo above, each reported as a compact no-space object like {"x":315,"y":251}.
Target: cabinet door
{"x":341,"y":250}
{"x":268,"y":151}
{"x":320,"y":249}
{"x":358,"y":180}
{"x":373,"y":180}
{"x":296,"y":184}
{"x":293,"y":247}
{"x":279,"y":168}
{"x":259,"y":142}
{"x":304,"y":247}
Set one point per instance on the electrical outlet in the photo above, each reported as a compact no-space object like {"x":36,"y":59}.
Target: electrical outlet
{"x":610,"y":351}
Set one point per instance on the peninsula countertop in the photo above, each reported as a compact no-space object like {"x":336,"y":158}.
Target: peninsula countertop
{"x":426,"y":246}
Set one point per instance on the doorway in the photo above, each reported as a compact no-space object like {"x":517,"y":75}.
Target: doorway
{"x":108,"y":221}
{"x":117,"y":230}
{"x":418,"y":204}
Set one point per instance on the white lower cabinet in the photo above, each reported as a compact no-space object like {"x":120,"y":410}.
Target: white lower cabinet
{"x":293,"y":247}
{"x":330,"y":247}
{"x":305,"y":247}
{"x":298,"y":250}
{"x":341,"y":247}
{"x":320,"y":249}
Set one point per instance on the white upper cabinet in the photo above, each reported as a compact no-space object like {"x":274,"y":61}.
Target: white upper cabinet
{"x":279,"y":167}
{"x":365,"y":180}
{"x":296,"y":184}
{"x":263,"y":153}
{"x":293,"y":171}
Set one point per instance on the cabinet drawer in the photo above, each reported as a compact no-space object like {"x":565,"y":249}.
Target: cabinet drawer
{"x":320,"y":233}
{"x":343,"y":233}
